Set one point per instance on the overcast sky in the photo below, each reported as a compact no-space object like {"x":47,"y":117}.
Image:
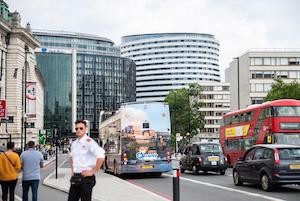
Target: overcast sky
{"x":239,"y":25}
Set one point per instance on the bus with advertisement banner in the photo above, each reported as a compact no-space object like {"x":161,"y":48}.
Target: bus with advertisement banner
{"x":137,"y":139}
{"x":273,"y":122}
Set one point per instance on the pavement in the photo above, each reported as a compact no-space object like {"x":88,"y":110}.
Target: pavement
{"x":107,"y":188}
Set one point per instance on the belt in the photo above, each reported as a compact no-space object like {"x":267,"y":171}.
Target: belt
{"x":77,"y":174}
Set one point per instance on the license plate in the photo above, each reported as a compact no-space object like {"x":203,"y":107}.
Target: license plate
{"x":213,"y":158}
{"x":295,"y":166}
{"x":214,"y":163}
{"x":147,"y":166}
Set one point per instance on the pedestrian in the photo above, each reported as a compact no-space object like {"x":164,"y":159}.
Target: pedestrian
{"x":9,"y":165}
{"x":32,"y":162}
{"x":86,"y":159}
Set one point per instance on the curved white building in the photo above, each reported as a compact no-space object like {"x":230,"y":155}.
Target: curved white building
{"x":168,"y":61}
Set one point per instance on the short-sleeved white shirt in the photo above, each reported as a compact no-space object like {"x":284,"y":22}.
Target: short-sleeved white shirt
{"x":85,"y":152}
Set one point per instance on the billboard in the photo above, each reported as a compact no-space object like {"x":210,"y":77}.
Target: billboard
{"x":2,"y":108}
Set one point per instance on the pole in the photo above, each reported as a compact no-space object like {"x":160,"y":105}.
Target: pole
{"x":56,"y":144}
{"x":176,"y":194}
{"x":238,"y":80}
{"x":25,"y":90}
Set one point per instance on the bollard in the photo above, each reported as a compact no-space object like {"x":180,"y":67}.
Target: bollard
{"x":176,"y":175}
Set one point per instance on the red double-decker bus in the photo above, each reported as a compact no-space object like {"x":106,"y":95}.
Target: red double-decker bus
{"x":271,"y":122}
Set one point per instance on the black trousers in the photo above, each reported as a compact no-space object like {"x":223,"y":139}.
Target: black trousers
{"x":8,"y":186}
{"x":83,"y":191}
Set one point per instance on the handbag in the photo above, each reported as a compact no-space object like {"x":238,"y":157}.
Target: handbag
{"x":76,"y":180}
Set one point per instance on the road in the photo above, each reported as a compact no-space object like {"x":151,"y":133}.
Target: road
{"x":213,"y":187}
{"x":202,"y":187}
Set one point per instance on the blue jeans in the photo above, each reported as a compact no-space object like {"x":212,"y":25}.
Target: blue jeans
{"x":34,"y":184}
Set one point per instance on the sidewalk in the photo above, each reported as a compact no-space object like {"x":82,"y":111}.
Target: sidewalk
{"x":108,"y":187}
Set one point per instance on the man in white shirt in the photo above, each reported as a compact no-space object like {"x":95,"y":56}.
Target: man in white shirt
{"x":86,"y":159}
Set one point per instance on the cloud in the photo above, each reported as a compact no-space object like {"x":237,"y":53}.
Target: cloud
{"x":239,"y":25}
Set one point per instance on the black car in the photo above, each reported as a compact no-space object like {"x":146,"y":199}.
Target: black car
{"x":203,"y":156}
{"x":269,"y":165}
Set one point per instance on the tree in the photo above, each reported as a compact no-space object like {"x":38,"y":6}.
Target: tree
{"x":281,"y":90}
{"x":186,"y":118}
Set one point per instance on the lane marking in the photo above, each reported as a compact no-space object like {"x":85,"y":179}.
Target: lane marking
{"x":18,"y":198}
{"x":229,"y":189}
{"x":152,"y":191}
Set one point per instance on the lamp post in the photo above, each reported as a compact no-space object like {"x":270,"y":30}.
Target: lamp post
{"x":238,"y":80}
{"x":25,"y":94}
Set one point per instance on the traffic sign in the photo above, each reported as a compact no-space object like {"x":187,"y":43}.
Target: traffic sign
{"x":2,"y":108}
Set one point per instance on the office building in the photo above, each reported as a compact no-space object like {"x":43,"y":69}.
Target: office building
{"x":101,"y":80}
{"x":168,"y":61}
{"x":252,"y":74}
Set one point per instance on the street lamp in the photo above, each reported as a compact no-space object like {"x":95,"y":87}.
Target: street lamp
{"x":25,"y":94}
{"x":238,"y":80}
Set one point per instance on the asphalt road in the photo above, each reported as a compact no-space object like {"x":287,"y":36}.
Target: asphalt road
{"x":212,"y":187}
{"x":202,"y":187}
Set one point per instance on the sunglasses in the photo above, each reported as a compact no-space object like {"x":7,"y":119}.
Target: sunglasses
{"x":80,"y":128}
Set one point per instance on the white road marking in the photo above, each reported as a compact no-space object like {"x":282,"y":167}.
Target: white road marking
{"x":18,"y":198}
{"x":229,"y":189}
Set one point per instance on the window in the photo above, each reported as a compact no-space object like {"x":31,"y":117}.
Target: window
{"x":268,"y":154}
{"x":249,"y":155}
{"x":195,"y":150}
{"x":259,"y":154}
{"x":267,"y":61}
{"x":258,"y":61}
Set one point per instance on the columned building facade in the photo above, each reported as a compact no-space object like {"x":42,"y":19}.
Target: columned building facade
{"x":168,"y":61}
{"x":18,"y":71}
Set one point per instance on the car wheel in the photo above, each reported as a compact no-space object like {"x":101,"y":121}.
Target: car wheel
{"x":222,"y":172}
{"x":236,"y":179}
{"x":195,"y":169}
{"x":265,"y":183}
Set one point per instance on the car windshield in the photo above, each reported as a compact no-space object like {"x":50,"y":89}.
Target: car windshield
{"x":208,"y":148}
{"x":289,"y":153}
{"x":287,"y":138}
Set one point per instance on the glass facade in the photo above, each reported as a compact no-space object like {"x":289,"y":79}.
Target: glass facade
{"x":56,"y":69}
{"x":103,"y":83}
{"x":104,"y":78}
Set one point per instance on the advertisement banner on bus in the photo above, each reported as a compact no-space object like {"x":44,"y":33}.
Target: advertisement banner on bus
{"x":237,"y":131}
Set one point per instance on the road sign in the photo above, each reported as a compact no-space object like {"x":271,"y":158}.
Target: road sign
{"x":2,"y":108}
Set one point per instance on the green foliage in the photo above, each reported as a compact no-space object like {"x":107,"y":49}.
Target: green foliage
{"x":184,"y":106}
{"x":281,"y":90}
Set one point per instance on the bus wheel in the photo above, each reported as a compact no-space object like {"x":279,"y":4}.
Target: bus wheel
{"x":229,"y":161}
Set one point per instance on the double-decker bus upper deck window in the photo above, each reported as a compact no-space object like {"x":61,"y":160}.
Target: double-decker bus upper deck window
{"x":284,"y":111}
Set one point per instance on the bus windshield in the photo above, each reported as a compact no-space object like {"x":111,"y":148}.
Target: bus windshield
{"x":287,"y":138}
{"x":287,"y":111}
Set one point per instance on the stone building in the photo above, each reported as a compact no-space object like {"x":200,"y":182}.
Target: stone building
{"x":17,"y":67}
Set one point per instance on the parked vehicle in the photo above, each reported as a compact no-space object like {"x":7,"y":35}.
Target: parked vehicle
{"x":203,"y":156}
{"x":269,"y":165}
